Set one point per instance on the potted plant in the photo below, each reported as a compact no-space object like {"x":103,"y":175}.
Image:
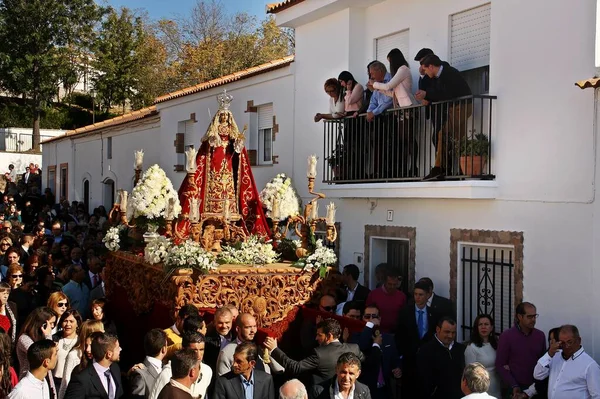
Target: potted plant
{"x":474,"y":154}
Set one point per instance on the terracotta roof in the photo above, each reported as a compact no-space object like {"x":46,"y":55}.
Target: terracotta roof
{"x":274,"y":8}
{"x":246,"y":73}
{"x":592,"y":82}
{"x":119,"y":120}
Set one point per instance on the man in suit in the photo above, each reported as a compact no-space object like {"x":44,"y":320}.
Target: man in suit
{"x":416,"y":326}
{"x":323,"y":360}
{"x":218,"y":336}
{"x":344,"y":383}
{"x":98,"y":292}
{"x":383,"y":371}
{"x":440,"y":363}
{"x":244,"y":381}
{"x":26,"y":250}
{"x":102,"y":377}
{"x":142,"y":380}
{"x":27,"y":175}
{"x":447,"y":84}
{"x":354,"y":290}
{"x":245,"y":327}
{"x":186,"y":368}
{"x":309,"y":326}
{"x":443,"y":307}
{"x":92,"y":274}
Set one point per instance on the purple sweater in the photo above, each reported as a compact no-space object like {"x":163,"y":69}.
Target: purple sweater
{"x":520,"y":353}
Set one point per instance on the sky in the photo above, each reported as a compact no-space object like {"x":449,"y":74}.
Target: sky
{"x":168,"y":9}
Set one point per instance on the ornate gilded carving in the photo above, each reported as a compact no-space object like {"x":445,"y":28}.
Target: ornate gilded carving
{"x":269,"y":293}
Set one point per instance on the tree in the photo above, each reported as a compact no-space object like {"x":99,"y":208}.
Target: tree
{"x":115,"y":57}
{"x":36,"y":39}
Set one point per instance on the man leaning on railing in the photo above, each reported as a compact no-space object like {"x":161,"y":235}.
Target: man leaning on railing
{"x":447,"y":84}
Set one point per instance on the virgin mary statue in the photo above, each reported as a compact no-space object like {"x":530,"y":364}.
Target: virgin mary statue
{"x":223,"y":183}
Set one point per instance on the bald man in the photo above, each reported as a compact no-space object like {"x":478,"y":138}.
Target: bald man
{"x":245,"y":327}
{"x":293,"y":389}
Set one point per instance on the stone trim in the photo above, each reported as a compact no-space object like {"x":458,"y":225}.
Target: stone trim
{"x":487,"y":237}
{"x":409,"y":233}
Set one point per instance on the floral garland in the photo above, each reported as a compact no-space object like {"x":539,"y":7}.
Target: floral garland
{"x":320,"y":259}
{"x":289,"y":201}
{"x":253,"y":251}
{"x":112,"y":239}
{"x":150,"y":197}
{"x":156,"y":251}
{"x":189,"y":254}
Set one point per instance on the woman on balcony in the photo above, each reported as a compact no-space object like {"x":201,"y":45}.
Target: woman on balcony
{"x":353,"y":142}
{"x":336,"y":102}
{"x":400,"y":89}
{"x":353,"y":99}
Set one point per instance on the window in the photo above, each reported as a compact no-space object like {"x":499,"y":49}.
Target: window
{"x":470,"y":46}
{"x":485,"y":285}
{"x":51,"y":179}
{"x":109,"y":148}
{"x":265,"y":134}
{"x":86,"y":195}
{"x":384,"y":45}
{"x":64,"y":181}
{"x":182,"y":138}
{"x":109,"y":193}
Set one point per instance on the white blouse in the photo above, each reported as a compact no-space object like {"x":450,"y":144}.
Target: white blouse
{"x":64,"y":347}
{"x":486,"y":355}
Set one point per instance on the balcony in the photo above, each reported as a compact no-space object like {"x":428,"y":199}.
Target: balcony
{"x":398,"y":149}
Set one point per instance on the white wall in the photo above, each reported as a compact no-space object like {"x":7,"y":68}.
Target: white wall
{"x":275,"y":87}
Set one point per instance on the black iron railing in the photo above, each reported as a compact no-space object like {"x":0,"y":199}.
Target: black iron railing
{"x":487,"y":287}
{"x":452,"y":139}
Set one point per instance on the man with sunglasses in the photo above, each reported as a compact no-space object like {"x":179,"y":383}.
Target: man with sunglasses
{"x":519,"y":349}
{"x":381,"y":377}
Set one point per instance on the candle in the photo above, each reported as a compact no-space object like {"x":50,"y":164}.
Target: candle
{"x":330,"y":218}
{"x":118,"y":200}
{"x":123,"y":200}
{"x":226,"y":210}
{"x":275,"y":212}
{"x":139,"y":159}
{"x":190,"y":159}
{"x":194,"y":210}
{"x":312,"y":166}
{"x":314,"y":211}
{"x":170,"y":208}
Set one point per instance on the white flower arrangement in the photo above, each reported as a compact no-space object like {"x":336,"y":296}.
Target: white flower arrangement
{"x":281,"y":188}
{"x":112,"y":239}
{"x":150,"y":197}
{"x":157,"y":250}
{"x":190,"y":254}
{"x":321,"y":258}
{"x":253,"y":251}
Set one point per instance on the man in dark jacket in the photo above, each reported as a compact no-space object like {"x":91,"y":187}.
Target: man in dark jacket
{"x":446,"y":84}
{"x":440,"y":363}
{"x":344,"y":382}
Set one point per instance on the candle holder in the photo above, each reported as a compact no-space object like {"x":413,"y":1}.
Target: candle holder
{"x":305,"y":225}
{"x":138,"y":174}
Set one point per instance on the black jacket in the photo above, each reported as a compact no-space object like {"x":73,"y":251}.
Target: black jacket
{"x":440,"y":370}
{"x":450,"y":84}
{"x":229,"y":386}
{"x":325,"y":390}
{"x":87,"y":384}
{"x":443,"y":307}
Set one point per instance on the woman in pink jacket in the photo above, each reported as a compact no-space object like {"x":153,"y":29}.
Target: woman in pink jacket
{"x":404,"y":148}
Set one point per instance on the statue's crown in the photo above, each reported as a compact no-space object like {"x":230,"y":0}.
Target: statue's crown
{"x":224,"y":100}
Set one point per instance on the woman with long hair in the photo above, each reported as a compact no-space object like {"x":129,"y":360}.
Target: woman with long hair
{"x":81,"y":354}
{"x":354,"y":93}
{"x":98,"y":313}
{"x":37,"y":326}
{"x":70,"y":323}
{"x":336,"y":102}
{"x":31,"y":264}
{"x":8,"y":312}
{"x":8,"y":375}
{"x":5,"y":244}
{"x":59,"y":303}
{"x":482,"y":349}
{"x":400,"y":86}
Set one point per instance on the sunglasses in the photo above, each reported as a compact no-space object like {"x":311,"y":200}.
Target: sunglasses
{"x":17,"y":276}
{"x":5,"y":243}
{"x":62,"y":304}
{"x":328,"y":308}
{"x":370,"y":316}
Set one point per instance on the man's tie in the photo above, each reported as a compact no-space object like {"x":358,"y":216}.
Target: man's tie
{"x":421,"y":324}
{"x":111,"y":389}
{"x":94,"y":280}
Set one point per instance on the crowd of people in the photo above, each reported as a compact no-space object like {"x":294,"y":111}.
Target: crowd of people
{"x":387,"y":146}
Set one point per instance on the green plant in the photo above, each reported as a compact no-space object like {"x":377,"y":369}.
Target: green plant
{"x":478,"y":145}
{"x":287,"y":249}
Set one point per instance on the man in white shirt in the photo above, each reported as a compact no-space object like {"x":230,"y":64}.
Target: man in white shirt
{"x":573,"y":373}
{"x":42,"y":356}
{"x":475,"y":382}
{"x":143,"y":379}
{"x":194,"y":341}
